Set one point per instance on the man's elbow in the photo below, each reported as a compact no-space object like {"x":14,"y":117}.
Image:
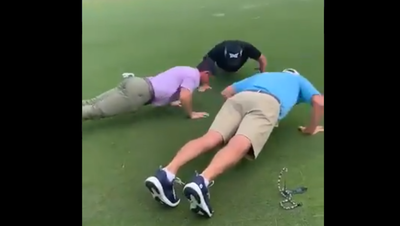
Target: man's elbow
{"x":318,"y":100}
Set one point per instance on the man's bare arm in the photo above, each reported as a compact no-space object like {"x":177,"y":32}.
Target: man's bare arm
{"x":317,"y":111}
{"x":262,"y":61}
{"x":228,"y":92}
{"x":186,"y":100}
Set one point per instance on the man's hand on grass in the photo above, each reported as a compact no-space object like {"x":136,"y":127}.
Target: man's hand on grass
{"x":311,"y":130}
{"x":203,"y":88}
{"x":197,"y":115}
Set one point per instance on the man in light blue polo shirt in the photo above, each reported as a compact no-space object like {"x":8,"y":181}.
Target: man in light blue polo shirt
{"x":252,"y":108}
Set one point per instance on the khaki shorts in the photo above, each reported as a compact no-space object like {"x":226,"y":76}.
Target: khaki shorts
{"x":251,"y":114}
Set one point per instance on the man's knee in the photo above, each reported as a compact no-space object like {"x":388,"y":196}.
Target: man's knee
{"x":91,"y":112}
{"x":241,"y":143}
{"x":212,"y":139}
{"x":257,"y":127}
{"x":89,"y":101}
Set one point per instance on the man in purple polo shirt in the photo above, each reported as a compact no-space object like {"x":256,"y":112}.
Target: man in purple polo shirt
{"x":174,"y":87}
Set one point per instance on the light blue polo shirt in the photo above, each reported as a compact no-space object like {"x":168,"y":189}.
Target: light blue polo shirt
{"x":288,"y":88}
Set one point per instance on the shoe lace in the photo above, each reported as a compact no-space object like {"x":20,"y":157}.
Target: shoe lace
{"x":178,"y":180}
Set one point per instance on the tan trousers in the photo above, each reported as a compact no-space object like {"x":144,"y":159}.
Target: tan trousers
{"x":251,"y":114}
{"x":128,"y":96}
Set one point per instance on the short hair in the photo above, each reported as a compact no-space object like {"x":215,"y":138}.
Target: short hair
{"x":207,"y":65}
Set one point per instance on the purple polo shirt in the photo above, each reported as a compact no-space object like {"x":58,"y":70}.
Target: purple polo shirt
{"x":167,"y":84}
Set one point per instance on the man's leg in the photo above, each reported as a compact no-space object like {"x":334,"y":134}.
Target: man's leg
{"x":98,"y":98}
{"x":112,"y":103}
{"x":128,"y":96}
{"x":253,"y":132}
{"x":250,"y":138}
{"x":223,"y":127}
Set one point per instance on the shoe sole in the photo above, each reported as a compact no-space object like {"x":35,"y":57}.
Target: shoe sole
{"x":157,"y":191}
{"x":196,"y":199}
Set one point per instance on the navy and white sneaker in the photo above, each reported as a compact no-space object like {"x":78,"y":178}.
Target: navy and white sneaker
{"x":199,"y":197}
{"x":162,"y":189}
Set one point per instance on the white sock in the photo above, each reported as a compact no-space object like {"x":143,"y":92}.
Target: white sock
{"x":170,"y":175}
{"x":206,"y":182}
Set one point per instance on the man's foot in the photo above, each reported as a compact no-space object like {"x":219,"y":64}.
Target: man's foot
{"x":162,"y":189}
{"x":128,"y":75}
{"x":199,"y":197}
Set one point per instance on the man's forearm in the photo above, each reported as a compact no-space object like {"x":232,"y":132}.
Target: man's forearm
{"x":316,"y":115}
{"x":185,"y":96}
{"x":228,"y":92}
{"x":187,"y":105}
{"x":262,"y":61}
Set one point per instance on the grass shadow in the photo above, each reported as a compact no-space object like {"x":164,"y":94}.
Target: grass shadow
{"x":127,"y":120}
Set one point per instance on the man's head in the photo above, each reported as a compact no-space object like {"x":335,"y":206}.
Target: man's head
{"x":291,"y":71}
{"x":233,"y":52}
{"x":207,"y":68}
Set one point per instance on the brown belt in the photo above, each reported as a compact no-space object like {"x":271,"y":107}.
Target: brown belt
{"x":151,"y":90}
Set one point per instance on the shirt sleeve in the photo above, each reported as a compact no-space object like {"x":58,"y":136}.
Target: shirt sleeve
{"x":307,"y":91}
{"x":189,"y":84}
{"x":251,"y":51}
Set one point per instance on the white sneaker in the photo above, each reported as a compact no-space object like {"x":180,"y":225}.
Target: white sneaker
{"x":128,"y":75}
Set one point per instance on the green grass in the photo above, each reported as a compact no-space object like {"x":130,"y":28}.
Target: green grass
{"x":149,"y":36}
